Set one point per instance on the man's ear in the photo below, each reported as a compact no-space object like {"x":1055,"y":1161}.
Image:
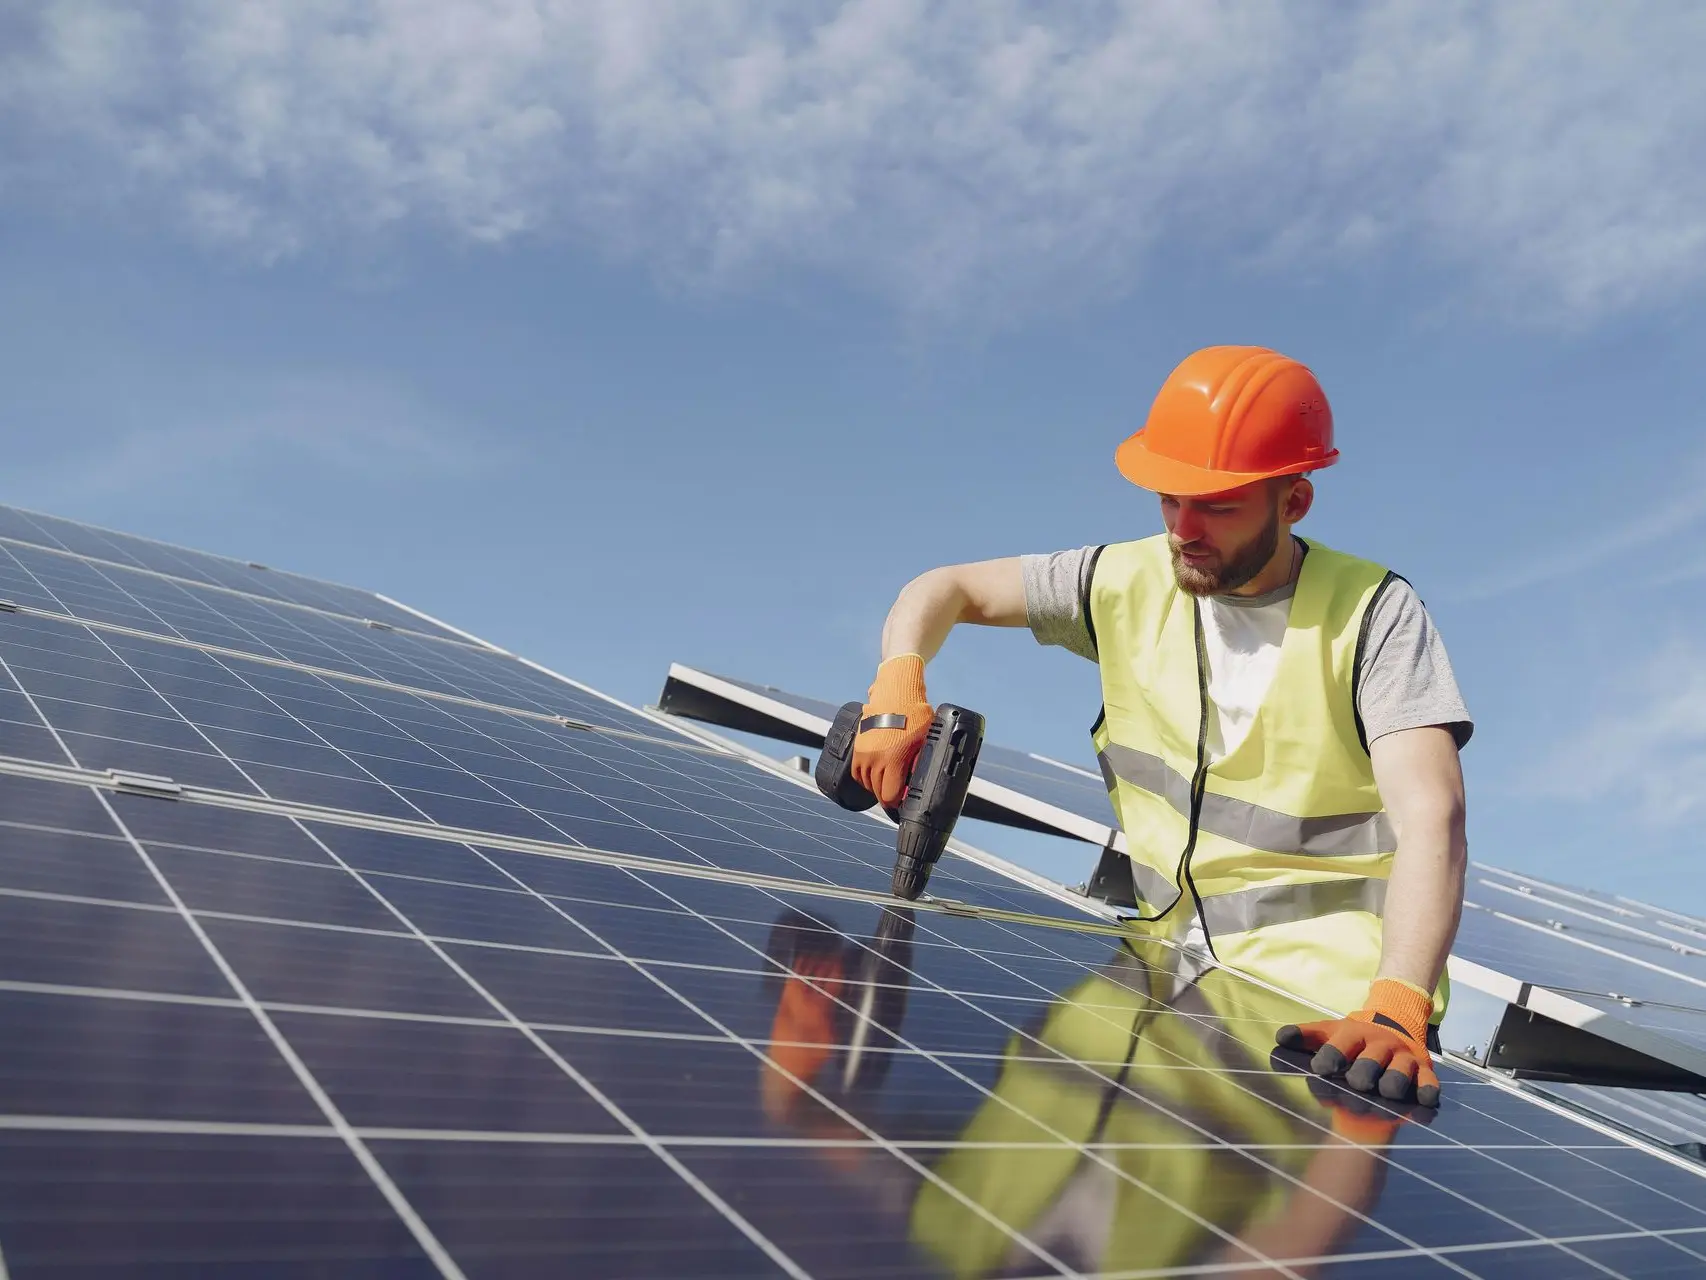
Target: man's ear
{"x":1298,"y":500}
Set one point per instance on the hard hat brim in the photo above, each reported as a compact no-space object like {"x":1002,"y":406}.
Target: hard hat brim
{"x":1168,"y":475}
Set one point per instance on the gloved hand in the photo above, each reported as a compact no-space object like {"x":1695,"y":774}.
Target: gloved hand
{"x":896,"y":719}
{"x":1381,"y":1046}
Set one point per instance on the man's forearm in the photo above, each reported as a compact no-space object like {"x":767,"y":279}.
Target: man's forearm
{"x":990,"y":593}
{"x":923,"y":614}
{"x":1424,"y":900}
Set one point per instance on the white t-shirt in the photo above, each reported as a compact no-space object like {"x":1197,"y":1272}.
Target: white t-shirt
{"x":1241,"y":638}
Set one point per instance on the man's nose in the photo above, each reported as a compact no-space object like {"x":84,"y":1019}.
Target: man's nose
{"x":1187,"y":524}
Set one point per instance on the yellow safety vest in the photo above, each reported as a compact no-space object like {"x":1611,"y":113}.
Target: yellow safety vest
{"x":1284,"y":844}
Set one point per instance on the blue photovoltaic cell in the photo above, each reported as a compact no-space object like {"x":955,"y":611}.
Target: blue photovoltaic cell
{"x":204,"y":720}
{"x":241,"y":1043}
{"x":1599,"y":925}
{"x":312,"y":639}
{"x":1665,"y":1002}
{"x":123,"y":549}
{"x":652,"y":1002}
{"x":1670,"y":1117}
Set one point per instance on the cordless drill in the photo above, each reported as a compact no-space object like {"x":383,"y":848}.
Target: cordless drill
{"x":935,"y":790}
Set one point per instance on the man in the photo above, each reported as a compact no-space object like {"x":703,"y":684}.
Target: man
{"x":1280,"y":726}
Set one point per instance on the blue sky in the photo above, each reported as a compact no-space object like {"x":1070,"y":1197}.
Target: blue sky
{"x":621,"y":341}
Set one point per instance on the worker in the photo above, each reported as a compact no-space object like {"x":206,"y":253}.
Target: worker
{"x":1280,"y":726}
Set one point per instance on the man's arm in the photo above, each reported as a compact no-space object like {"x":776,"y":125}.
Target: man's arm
{"x":989,"y":593}
{"x":1421,"y":783}
{"x":1382,"y":1046}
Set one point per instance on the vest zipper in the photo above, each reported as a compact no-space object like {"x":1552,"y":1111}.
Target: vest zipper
{"x":1199,"y":780}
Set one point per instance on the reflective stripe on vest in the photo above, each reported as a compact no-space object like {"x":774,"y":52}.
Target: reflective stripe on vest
{"x":1268,"y":905}
{"x":1334,"y":836}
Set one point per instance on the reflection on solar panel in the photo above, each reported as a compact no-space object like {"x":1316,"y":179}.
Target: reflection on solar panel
{"x":1629,"y":978}
{"x":333,"y":951}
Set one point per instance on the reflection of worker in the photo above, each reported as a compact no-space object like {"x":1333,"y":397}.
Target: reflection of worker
{"x":1151,"y":1072}
{"x":1280,"y":724}
{"x":1179,"y":1082}
{"x":839,"y":1006}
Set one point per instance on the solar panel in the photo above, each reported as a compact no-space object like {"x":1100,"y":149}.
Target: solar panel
{"x":379,"y":980}
{"x":1626,"y":973}
{"x":100,"y":550}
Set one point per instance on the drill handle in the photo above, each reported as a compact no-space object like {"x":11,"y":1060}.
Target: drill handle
{"x":834,"y":772}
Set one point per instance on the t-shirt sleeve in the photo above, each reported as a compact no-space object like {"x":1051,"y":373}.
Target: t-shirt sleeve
{"x":1405,"y":678}
{"x":1057,"y":588}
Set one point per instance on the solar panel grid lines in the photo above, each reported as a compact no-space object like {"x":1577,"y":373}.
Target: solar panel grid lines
{"x":14,"y":553}
{"x":805,"y":1086}
{"x":477,"y":675}
{"x":400,"y":917}
{"x":1670,"y":1117}
{"x":670,"y":1159}
{"x":203,"y":568}
{"x":273,"y":702}
{"x":1692,"y":923}
{"x":581,"y":856}
{"x":1026,"y":878}
{"x":1088,"y":1150}
{"x":435,"y":957}
{"x":1672,"y":975}
{"x":381,"y":1180}
{"x":1618,"y":923}
{"x":858,"y":823}
{"x":1645,"y":1010}
{"x":538,"y":1042}
{"x":1495,"y":1081}
{"x":1208,"y":1134}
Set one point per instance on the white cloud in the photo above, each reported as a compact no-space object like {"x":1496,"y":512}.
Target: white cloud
{"x":951,"y":156}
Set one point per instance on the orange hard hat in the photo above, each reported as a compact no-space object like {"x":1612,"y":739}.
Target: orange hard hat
{"x":1229,"y":416}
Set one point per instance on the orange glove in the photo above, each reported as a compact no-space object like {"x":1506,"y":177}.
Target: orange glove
{"x":897,"y":717}
{"x":1382,"y":1045}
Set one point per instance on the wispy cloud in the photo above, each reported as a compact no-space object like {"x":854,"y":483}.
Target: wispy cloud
{"x":946,"y":156}
{"x":1663,"y":527}
{"x":1646,"y":745}
{"x":248,"y":431}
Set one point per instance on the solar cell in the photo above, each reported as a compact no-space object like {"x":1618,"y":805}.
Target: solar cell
{"x":99,"y":548}
{"x":283,"y":1024}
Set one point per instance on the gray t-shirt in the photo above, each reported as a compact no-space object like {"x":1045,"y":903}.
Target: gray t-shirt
{"x":1405,"y":680}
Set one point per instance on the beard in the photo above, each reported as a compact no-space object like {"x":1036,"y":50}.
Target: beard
{"x":1228,"y":572}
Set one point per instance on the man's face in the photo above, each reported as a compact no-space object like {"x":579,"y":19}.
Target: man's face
{"x":1221,"y":541}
